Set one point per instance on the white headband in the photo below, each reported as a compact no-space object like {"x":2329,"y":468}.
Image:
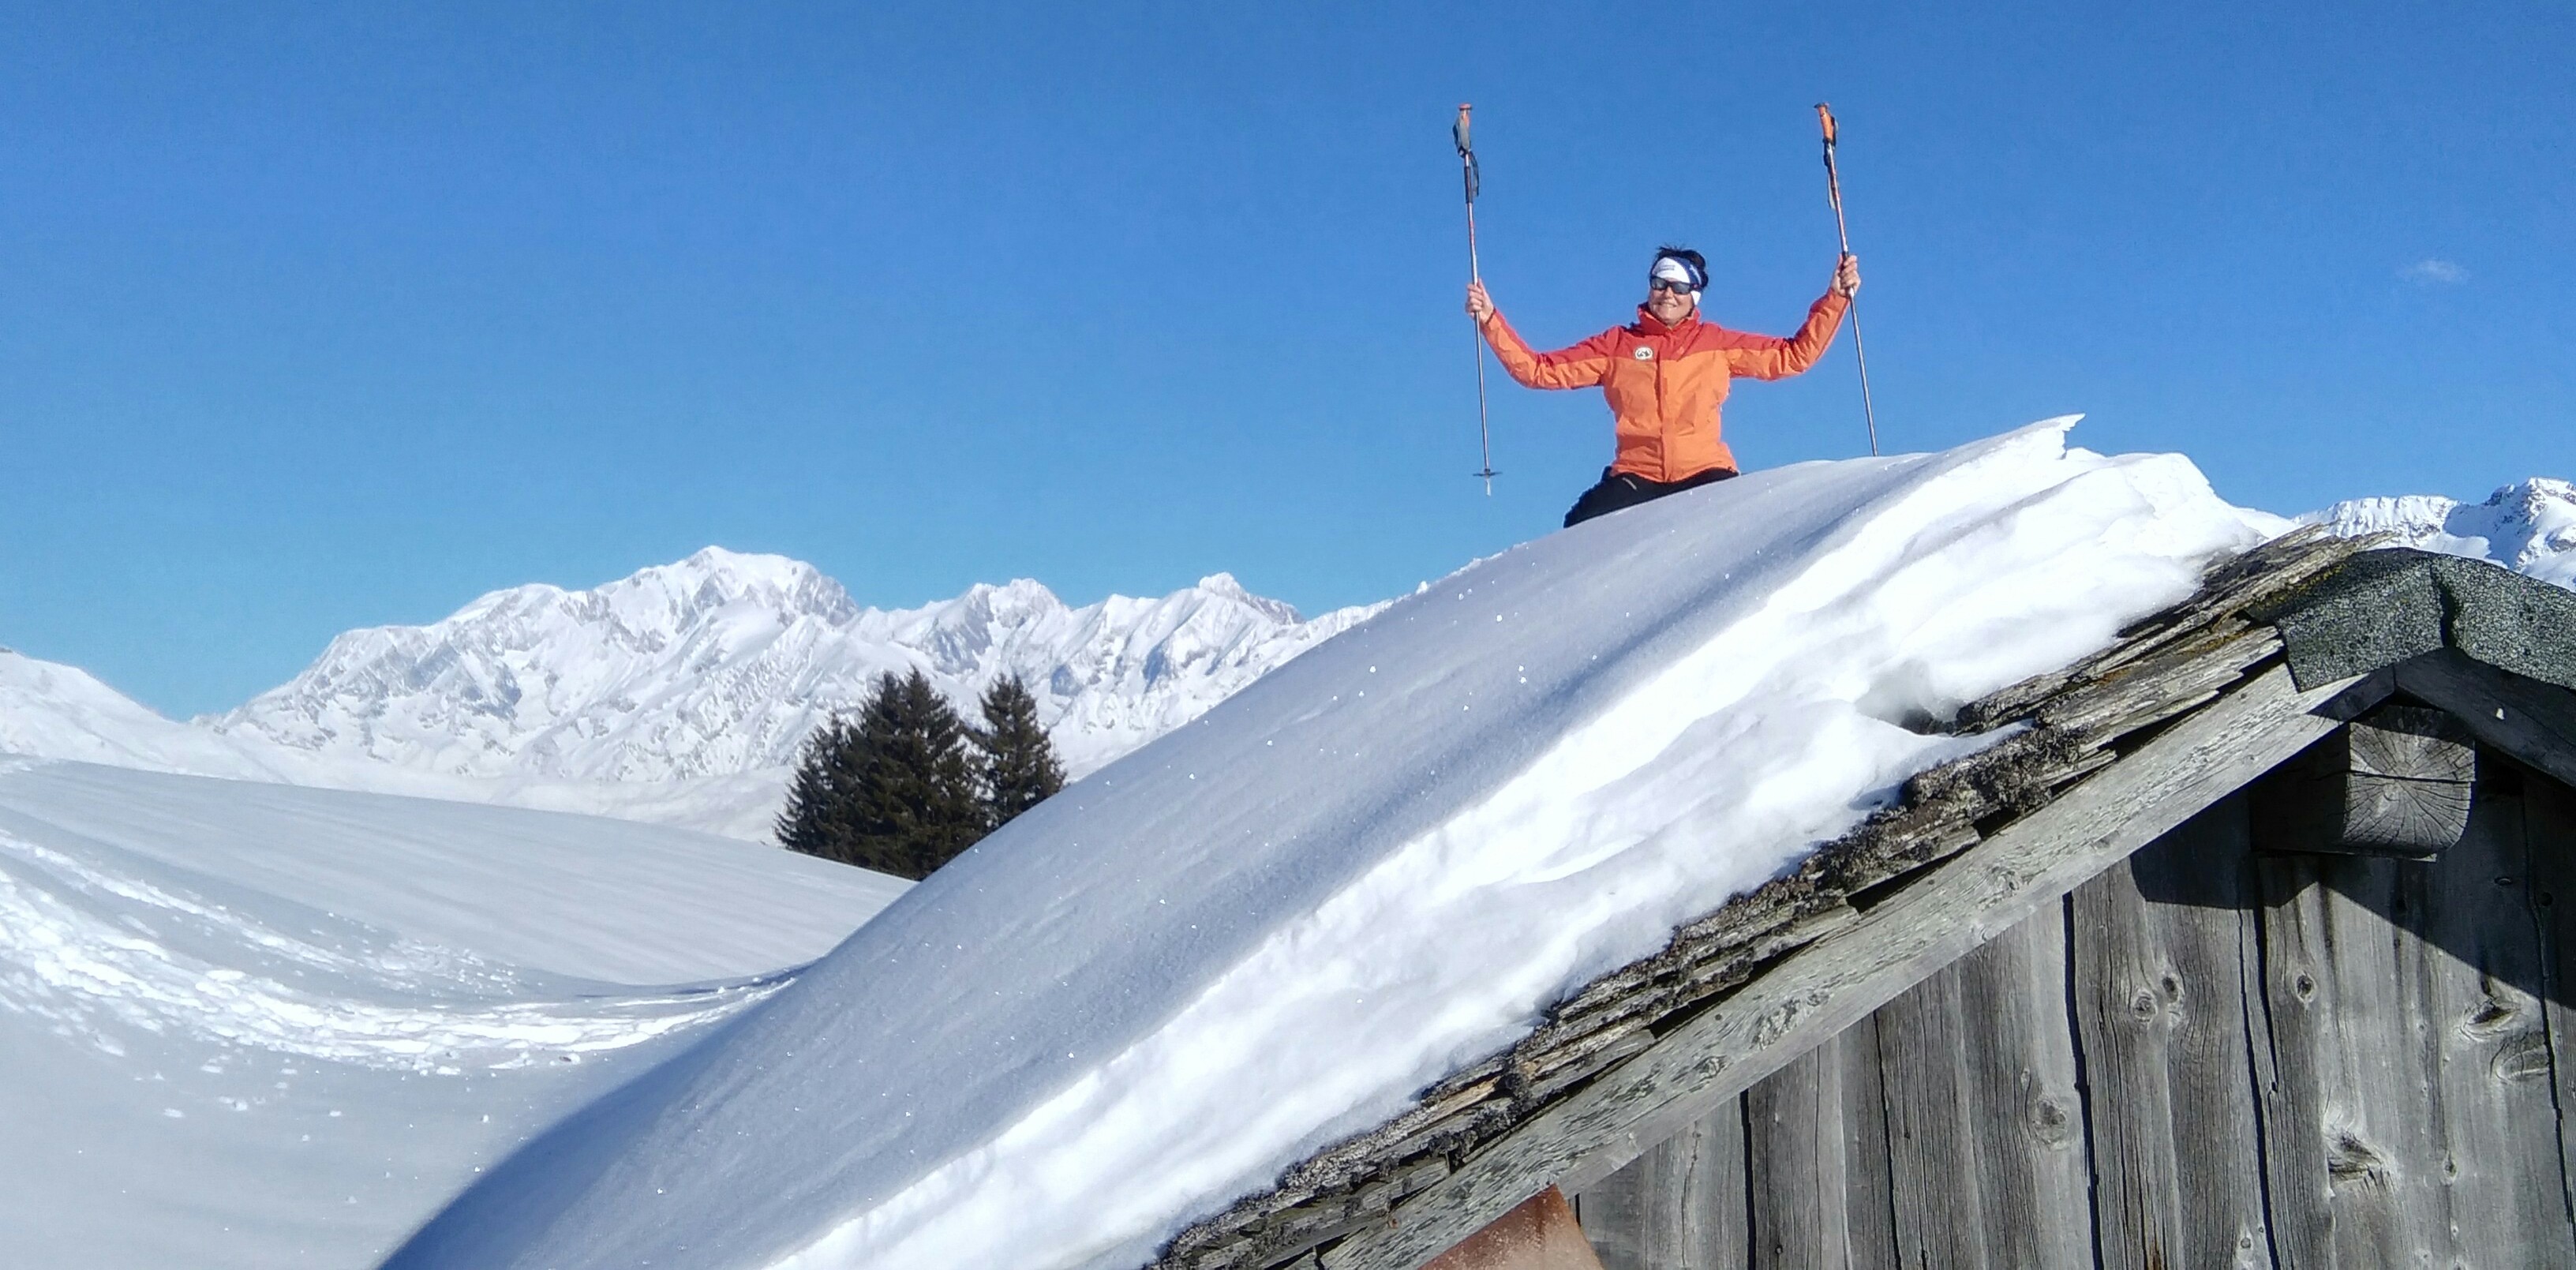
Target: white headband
{"x":1673,"y":270}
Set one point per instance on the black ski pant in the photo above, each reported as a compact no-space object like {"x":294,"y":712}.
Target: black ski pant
{"x":1627,"y":489}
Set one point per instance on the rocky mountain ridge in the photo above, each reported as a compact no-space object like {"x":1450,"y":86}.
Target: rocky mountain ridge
{"x":723,"y":662}
{"x":2528,"y":526}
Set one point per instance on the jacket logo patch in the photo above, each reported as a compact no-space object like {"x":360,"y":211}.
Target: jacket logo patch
{"x":1645,"y":354}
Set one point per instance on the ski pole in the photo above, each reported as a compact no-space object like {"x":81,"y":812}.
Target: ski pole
{"x":1834,"y":190}
{"x":1475,"y":272}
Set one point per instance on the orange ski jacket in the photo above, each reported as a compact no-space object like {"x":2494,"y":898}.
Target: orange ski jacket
{"x":1667,"y":384}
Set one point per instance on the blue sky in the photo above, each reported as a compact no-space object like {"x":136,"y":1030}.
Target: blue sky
{"x":322,"y":316}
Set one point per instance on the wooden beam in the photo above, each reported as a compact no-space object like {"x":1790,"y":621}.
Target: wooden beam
{"x":2395,"y":782}
{"x":2532,"y":721}
{"x":1837,"y":981}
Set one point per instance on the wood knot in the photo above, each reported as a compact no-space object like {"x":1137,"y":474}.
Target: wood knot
{"x":2051,"y":1121}
{"x":2142,"y":1005}
{"x":2353,"y":1160}
{"x":2492,"y":1018}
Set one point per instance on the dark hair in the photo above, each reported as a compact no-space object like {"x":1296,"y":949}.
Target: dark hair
{"x":1697,"y":262}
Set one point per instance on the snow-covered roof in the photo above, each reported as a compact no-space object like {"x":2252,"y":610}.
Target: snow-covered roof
{"x":2279,"y":648}
{"x":1377,"y":867}
{"x":1646,"y":1047}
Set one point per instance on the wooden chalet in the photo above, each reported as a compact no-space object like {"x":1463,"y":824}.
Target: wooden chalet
{"x":2249,"y":946}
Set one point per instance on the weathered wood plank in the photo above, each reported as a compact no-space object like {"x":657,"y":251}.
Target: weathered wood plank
{"x":2404,"y":1006}
{"x":1821,"y":1196}
{"x":2300,"y":1173}
{"x":2491,"y":1059}
{"x":2161,"y":952}
{"x":2549,"y":843}
{"x":1983,"y":1128}
{"x":1832,"y":983}
{"x":1941,"y":1213}
{"x":2025,"y":1116}
{"x":2532,"y":721}
{"x":1680,"y":1206}
{"x":2159,"y":687}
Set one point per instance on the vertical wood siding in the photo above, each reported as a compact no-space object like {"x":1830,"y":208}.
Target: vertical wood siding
{"x":2206,"y":1057}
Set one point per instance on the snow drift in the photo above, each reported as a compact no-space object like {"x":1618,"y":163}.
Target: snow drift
{"x":1384,"y":859}
{"x":249,"y":1025}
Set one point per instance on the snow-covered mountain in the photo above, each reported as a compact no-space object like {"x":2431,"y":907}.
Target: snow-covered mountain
{"x":49,"y":710}
{"x":679,"y":695}
{"x":2528,"y":526}
{"x":53,"y":711}
{"x":723,"y":662}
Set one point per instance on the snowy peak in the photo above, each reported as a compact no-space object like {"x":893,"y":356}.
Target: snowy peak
{"x":714,"y":578}
{"x":2528,"y":526}
{"x":653,"y":605}
{"x":54,"y":711}
{"x":1224,"y":585}
{"x":722,"y":663}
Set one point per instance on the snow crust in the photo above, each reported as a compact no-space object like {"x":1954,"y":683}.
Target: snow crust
{"x":248,"y":1025}
{"x":2528,"y":526}
{"x":1271,"y":927}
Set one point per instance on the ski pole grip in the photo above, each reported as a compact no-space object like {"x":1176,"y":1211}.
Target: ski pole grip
{"x":1458,"y":130}
{"x":1825,"y":116}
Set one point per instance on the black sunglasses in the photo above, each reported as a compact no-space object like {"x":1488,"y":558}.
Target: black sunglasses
{"x":1667,"y":284}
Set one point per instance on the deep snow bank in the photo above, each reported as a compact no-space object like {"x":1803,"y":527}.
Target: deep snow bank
{"x":248,"y":1025}
{"x":568,"y":894}
{"x":1384,"y":859}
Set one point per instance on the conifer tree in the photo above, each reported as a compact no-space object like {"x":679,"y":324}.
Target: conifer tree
{"x":902,"y":787}
{"x":817,"y":820}
{"x":1016,"y":760}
